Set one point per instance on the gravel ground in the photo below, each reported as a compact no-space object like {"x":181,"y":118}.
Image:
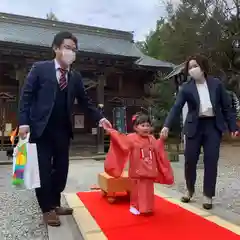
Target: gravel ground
{"x":20,"y":217}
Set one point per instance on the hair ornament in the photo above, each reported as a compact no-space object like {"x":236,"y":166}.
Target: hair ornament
{"x":134,"y":117}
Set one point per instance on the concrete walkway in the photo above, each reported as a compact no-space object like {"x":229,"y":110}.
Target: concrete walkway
{"x":68,"y":230}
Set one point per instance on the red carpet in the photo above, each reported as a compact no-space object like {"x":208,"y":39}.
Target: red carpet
{"x":169,"y":222}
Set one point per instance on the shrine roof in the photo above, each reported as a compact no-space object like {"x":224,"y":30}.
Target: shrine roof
{"x":147,"y":61}
{"x":176,"y":70}
{"x":40,"y":32}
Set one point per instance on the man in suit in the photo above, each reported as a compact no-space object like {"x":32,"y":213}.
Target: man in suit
{"x":209,"y":109}
{"x":45,"y":112}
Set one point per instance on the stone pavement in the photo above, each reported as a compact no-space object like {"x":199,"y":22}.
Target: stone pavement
{"x":21,"y":220}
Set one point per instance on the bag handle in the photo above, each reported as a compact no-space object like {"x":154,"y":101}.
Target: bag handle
{"x":25,"y":140}
{"x":14,"y":134}
{"x":27,"y":137}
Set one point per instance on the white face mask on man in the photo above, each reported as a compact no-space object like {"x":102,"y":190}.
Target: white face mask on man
{"x":68,"y":56}
{"x":196,"y":73}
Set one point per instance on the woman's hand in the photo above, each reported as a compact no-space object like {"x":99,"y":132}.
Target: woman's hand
{"x":234,"y":134}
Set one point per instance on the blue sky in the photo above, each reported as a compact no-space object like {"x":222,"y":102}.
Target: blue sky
{"x":131,"y":15}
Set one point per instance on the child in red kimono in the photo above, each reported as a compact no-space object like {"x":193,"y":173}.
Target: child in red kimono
{"x":147,"y":163}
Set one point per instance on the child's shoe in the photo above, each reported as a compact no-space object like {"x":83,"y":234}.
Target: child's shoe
{"x":134,"y":211}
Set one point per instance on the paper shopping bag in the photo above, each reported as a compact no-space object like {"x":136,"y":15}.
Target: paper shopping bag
{"x":25,"y":165}
{"x":31,"y":172}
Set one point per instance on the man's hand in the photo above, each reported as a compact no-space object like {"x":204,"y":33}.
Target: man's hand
{"x":164,"y":132}
{"x":23,"y":131}
{"x":105,"y":124}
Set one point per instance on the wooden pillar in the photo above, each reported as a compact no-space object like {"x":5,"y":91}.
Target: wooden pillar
{"x":20,"y":77}
{"x":2,"y":107}
{"x":4,"y":97}
{"x":100,"y":100}
{"x":120,"y":83}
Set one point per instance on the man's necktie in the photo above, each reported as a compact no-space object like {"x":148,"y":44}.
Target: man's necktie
{"x":63,"y":79}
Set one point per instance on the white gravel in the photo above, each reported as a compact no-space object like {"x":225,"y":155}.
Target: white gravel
{"x":20,"y":217}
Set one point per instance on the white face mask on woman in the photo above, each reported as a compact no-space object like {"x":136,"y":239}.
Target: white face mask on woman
{"x":196,"y":73}
{"x":68,"y":56}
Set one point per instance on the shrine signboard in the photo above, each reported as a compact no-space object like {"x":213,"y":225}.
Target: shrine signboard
{"x":119,"y":117}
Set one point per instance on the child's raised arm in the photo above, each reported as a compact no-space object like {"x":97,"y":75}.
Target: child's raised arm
{"x":117,"y":156}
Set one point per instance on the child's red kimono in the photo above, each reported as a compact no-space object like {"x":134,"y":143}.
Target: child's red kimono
{"x":148,"y":164}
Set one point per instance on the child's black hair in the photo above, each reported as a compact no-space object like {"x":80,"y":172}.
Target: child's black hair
{"x":140,"y":118}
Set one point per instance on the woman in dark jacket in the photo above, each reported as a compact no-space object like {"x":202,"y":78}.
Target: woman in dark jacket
{"x":209,"y":108}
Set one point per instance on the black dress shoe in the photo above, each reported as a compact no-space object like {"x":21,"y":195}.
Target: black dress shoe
{"x":207,"y":203}
{"x":207,"y":206}
{"x":187,"y":198}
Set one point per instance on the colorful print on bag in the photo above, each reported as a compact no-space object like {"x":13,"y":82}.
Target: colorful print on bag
{"x":21,"y":160}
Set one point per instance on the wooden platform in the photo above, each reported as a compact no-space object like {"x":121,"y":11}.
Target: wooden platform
{"x":110,"y":186}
